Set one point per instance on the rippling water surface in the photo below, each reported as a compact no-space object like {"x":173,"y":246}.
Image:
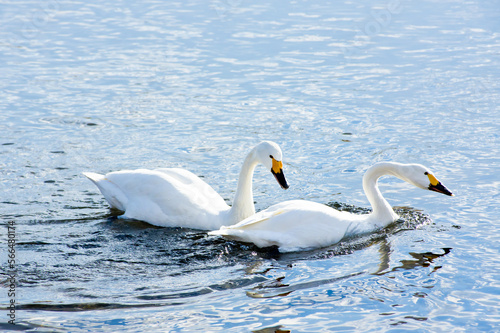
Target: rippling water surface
{"x":104,"y":86}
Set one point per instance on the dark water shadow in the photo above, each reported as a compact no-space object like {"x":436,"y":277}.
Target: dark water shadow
{"x":273,"y":329}
{"x":410,"y":219}
{"x":277,"y":288}
{"x":115,"y":248}
{"x":26,"y":326}
{"x":421,"y":259}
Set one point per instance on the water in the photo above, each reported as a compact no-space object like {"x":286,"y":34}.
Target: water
{"x":103,"y":86}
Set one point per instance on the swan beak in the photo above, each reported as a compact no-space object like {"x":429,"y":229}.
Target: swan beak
{"x":436,"y":186}
{"x":440,"y":188}
{"x":277,"y":171}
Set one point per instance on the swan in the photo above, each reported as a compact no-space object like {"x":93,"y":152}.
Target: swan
{"x":301,"y":225}
{"x":174,"y":197}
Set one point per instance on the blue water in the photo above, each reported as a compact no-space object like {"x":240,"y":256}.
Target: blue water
{"x":103,"y":86}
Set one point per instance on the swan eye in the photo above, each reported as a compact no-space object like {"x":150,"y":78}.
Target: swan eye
{"x":271,"y":156}
{"x":426,"y":173}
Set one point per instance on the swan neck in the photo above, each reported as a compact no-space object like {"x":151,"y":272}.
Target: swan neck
{"x":382,"y":212}
{"x":243,"y":205}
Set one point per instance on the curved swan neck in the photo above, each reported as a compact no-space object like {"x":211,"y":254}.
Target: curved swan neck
{"x":382,"y":211}
{"x":243,"y":205}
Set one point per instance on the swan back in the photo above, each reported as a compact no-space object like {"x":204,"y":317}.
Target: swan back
{"x":291,"y":225}
{"x":112,"y":193}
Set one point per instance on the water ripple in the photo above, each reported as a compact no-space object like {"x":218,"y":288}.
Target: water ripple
{"x":90,"y":86}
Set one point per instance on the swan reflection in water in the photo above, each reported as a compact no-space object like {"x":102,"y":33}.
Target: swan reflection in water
{"x":277,"y":287}
{"x":424,"y":259}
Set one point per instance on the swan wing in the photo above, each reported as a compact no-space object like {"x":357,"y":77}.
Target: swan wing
{"x":166,"y":197}
{"x":291,"y":225}
{"x":200,"y":192}
{"x":301,"y":207}
{"x":262,"y":216}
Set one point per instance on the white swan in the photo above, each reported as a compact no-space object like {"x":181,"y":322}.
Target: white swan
{"x":177,"y":198}
{"x":298,"y":224}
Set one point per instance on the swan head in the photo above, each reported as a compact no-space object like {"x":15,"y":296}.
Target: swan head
{"x":422,"y":177}
{"x":269,"y":154}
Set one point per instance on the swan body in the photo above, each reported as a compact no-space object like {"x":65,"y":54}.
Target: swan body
{"x":299,"y":224}
{"x":173,"y":197}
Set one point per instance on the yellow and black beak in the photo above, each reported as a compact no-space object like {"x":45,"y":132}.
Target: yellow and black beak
{"x":277,"y":171}
{"x":436,"y":185}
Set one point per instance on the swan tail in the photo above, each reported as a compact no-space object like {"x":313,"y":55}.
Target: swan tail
{"x":112,"y":193}
{"x":228,"y":233}
{"x":220,"y":232}
{"x":94,"y":177}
